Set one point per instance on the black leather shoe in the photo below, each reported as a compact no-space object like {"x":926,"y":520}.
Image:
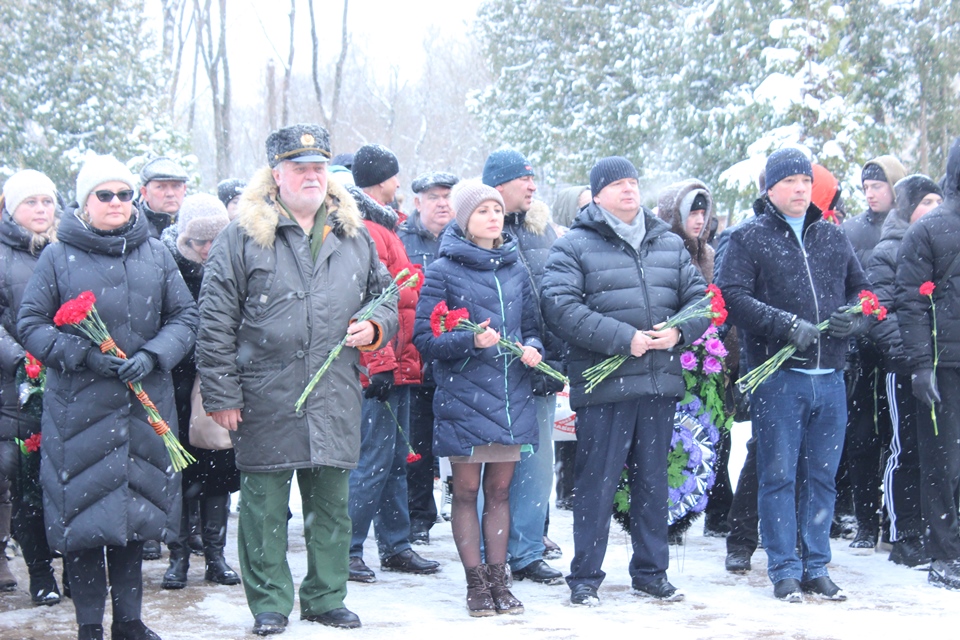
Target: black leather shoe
{"x":660,"y":588}
{"x":341,"y":618}
{"x":409,"y":561}
{"x":269,"y":623}
{"x":176,"y":574}
{"x":90,"y":632}
{"x":538,"y":571}
{"x":788,"y":590}
{"x":551,"y":550}
{"x":151,"y":550}
{"x":131,"y":630}
{"x":824,"y":588}
{"x":360,"y":572}
{"x":584,"y":595}
{"x":419,"y":537}
{"x":738,"y":561}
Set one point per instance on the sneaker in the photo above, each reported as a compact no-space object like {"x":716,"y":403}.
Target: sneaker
{"x":788,"y":590}
{"x":864,"y":544}
{"x":945,"y":573}
{"x":824,"y":588}
{"x":660,"y":589}
{"x":584,"y":595}
{"x":909,"y":553}
{"x":738,"y":561}
{"x":551,"y":550}
{"x":539,"y":571}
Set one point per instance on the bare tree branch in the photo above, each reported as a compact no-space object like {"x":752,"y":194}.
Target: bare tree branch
{"x":288,"y":70}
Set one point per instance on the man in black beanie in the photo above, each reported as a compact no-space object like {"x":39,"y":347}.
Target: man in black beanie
{"x":610,"y":284}
{"x":375,"y":170}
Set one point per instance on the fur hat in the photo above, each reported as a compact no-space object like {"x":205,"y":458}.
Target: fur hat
{"x":98,"y":170}
{"x":469,"y":195}
{"x":299,"y":143}
{"x":202,"y":217}
{"x":24,"y":184}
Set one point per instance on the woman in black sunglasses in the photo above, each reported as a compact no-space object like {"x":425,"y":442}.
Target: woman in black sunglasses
{"x":107,"y":479}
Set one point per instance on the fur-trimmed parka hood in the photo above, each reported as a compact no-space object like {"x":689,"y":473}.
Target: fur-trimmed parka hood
{"x":373,"y":211}
{"x":259,"y":212}
{"x":673,"y":205}
{"x":535,"y":220}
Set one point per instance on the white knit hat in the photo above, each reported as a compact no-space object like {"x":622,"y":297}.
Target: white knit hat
{"x":201,"y":217}
{"x":100,"y":169}
{"x":24,"y":184}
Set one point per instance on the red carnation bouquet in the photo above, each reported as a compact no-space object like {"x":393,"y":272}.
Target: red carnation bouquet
{"x":443,"y":320}
{"x":81,"y":313}
{"x":710,"y":306}
{"x":926,"y":289}
{"x":403,"y":280}
{"x":30,"y":445}
{"x":868,"y":305}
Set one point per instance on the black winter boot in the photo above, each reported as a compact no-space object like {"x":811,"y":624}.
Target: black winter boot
{"x":213,"y":513}
{"x":176,"y":574}
{"x":90,"y":632}
{"x":132,"y":630}
{"x":32,"y":537}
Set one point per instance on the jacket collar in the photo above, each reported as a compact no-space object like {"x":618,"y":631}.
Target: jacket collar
{"x":455,"y":246}
{"x":591,"y":217}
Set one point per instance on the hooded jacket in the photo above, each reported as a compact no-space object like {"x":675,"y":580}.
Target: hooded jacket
{"x":482,"y":395}
{"x":864,"y":230}
{"x":673,"y":205}
{"x":882,"y":269}
{"x":929,"y":247}
{"x":270,"y":314}
{"x":769,"y":280}
{"x":17,"y":262}
{"x":398,"y":355}
{"x":598,"y":291}
{"x":106,"y":475}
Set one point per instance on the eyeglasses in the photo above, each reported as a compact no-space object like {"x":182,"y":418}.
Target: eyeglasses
{"x":107,"y":196}
{"x":199,"y":243}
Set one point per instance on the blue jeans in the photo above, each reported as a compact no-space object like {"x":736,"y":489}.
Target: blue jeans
{"x":530,"y":492}
{"x":799,"y":421}
{"x":378,"y":486}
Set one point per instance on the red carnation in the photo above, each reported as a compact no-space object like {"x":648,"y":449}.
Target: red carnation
{"x":881,"y":313}
{"x":32,"y":443}
{"x":869,"y":301}
{"x":720,"y":318}
{"x":926,"y":289}
{"x":413,"y":457}
{"x":454,"y":318}
{"x":32,"y":367}
{"x":437,"y":317}
{"x":76,"y":310}
{"x":714,"y":289}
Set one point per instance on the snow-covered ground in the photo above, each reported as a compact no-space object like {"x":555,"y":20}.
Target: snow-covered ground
{"x":884,"y":600}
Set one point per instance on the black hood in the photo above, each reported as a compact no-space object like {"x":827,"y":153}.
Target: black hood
{"x":910,"y":191}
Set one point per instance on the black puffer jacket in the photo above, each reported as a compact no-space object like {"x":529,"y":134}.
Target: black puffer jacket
{"x":17,"y":263}
{"x":598,"y":291}
{"x":157,"y":222}
{"x":106,"y":475}
{"x":768,"y":280}
{"x":483,"y":395}
{"x":929,"y":247}
{"x":881,"y":271}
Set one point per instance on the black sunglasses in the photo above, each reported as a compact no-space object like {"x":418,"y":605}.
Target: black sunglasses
{"x":107,"y":196}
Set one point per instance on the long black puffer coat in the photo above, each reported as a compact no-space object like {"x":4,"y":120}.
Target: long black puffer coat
{"x":929,"y":247}
{"x":106,"y":476}
{"x":598,"y":291}
{"x":17,"y":263}
{"x":483,"y":395}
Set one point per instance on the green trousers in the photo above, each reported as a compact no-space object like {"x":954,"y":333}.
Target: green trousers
{"x":262,"y":539}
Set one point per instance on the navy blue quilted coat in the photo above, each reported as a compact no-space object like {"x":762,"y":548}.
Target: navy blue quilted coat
{"x":483,"y":395}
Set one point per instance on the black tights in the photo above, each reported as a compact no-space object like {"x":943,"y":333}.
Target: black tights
{"x":496,"y":511}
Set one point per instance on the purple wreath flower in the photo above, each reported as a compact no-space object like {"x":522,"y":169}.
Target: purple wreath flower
{"x":674,"y":496}
{"x":688,"y":360}
{"x":701,"y":503}
{"x":689,"y":484}
{"x":711,"y":480}
{"x":704,"y":419}
{"x":687,"y":438}
{"x":696,"y":457}
{"x":711,"y":365}
{"x":674,"y":439}
{"x":713,"y":433}
{"x":691,"y":407}
{"x":715,"y":348}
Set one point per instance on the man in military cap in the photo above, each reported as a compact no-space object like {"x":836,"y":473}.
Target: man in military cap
{"x":420,"y":234}
{"x":282,"y":285}
{"x":163,"y":186}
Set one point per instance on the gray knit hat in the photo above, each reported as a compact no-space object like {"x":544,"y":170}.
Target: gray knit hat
{"x":98,"y":170}
{"x":609,"y":170}
{"x":24,"y":184}
{"x":202,"y":217}
{"x":467,"y":196}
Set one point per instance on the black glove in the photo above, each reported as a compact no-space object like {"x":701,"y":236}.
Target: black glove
{"x":846,"y":325}
{"x":544,"y":385}
{"x":925,"y":386}
{"x":803,"y":334}
{"x":102,"y":364}
{"x":137,"y":367}
{"x":381,"y":384}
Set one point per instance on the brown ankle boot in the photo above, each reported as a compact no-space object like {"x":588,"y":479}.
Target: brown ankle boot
{"x":503,"y":600}
{"x":479,"y":601}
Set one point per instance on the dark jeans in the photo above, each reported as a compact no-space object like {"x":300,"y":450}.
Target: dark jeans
{"x":420,"y":500}
{"x":901,"y":477}
{"x":88,"y":582}
{"x":635,"y":433}
{"x":742,"y":517}
{"x":940,"y":467}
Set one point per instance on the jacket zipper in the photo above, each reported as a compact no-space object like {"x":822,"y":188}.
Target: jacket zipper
{"x":506,"y":363}
{"x":813,"y":291}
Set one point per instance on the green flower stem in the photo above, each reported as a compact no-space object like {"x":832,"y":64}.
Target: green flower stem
{"x":543,"y":367}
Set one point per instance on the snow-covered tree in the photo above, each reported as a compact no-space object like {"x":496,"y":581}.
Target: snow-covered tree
{"x":79,"y":77}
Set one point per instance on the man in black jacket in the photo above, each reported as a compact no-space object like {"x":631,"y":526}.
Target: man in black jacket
{"x":609,"y":285}
{"x":784,"y":272}
{"x":929,"y":255}
{"x":163,"y":186}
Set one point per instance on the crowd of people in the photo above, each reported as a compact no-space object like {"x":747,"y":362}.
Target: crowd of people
{"x":448,"y":334}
